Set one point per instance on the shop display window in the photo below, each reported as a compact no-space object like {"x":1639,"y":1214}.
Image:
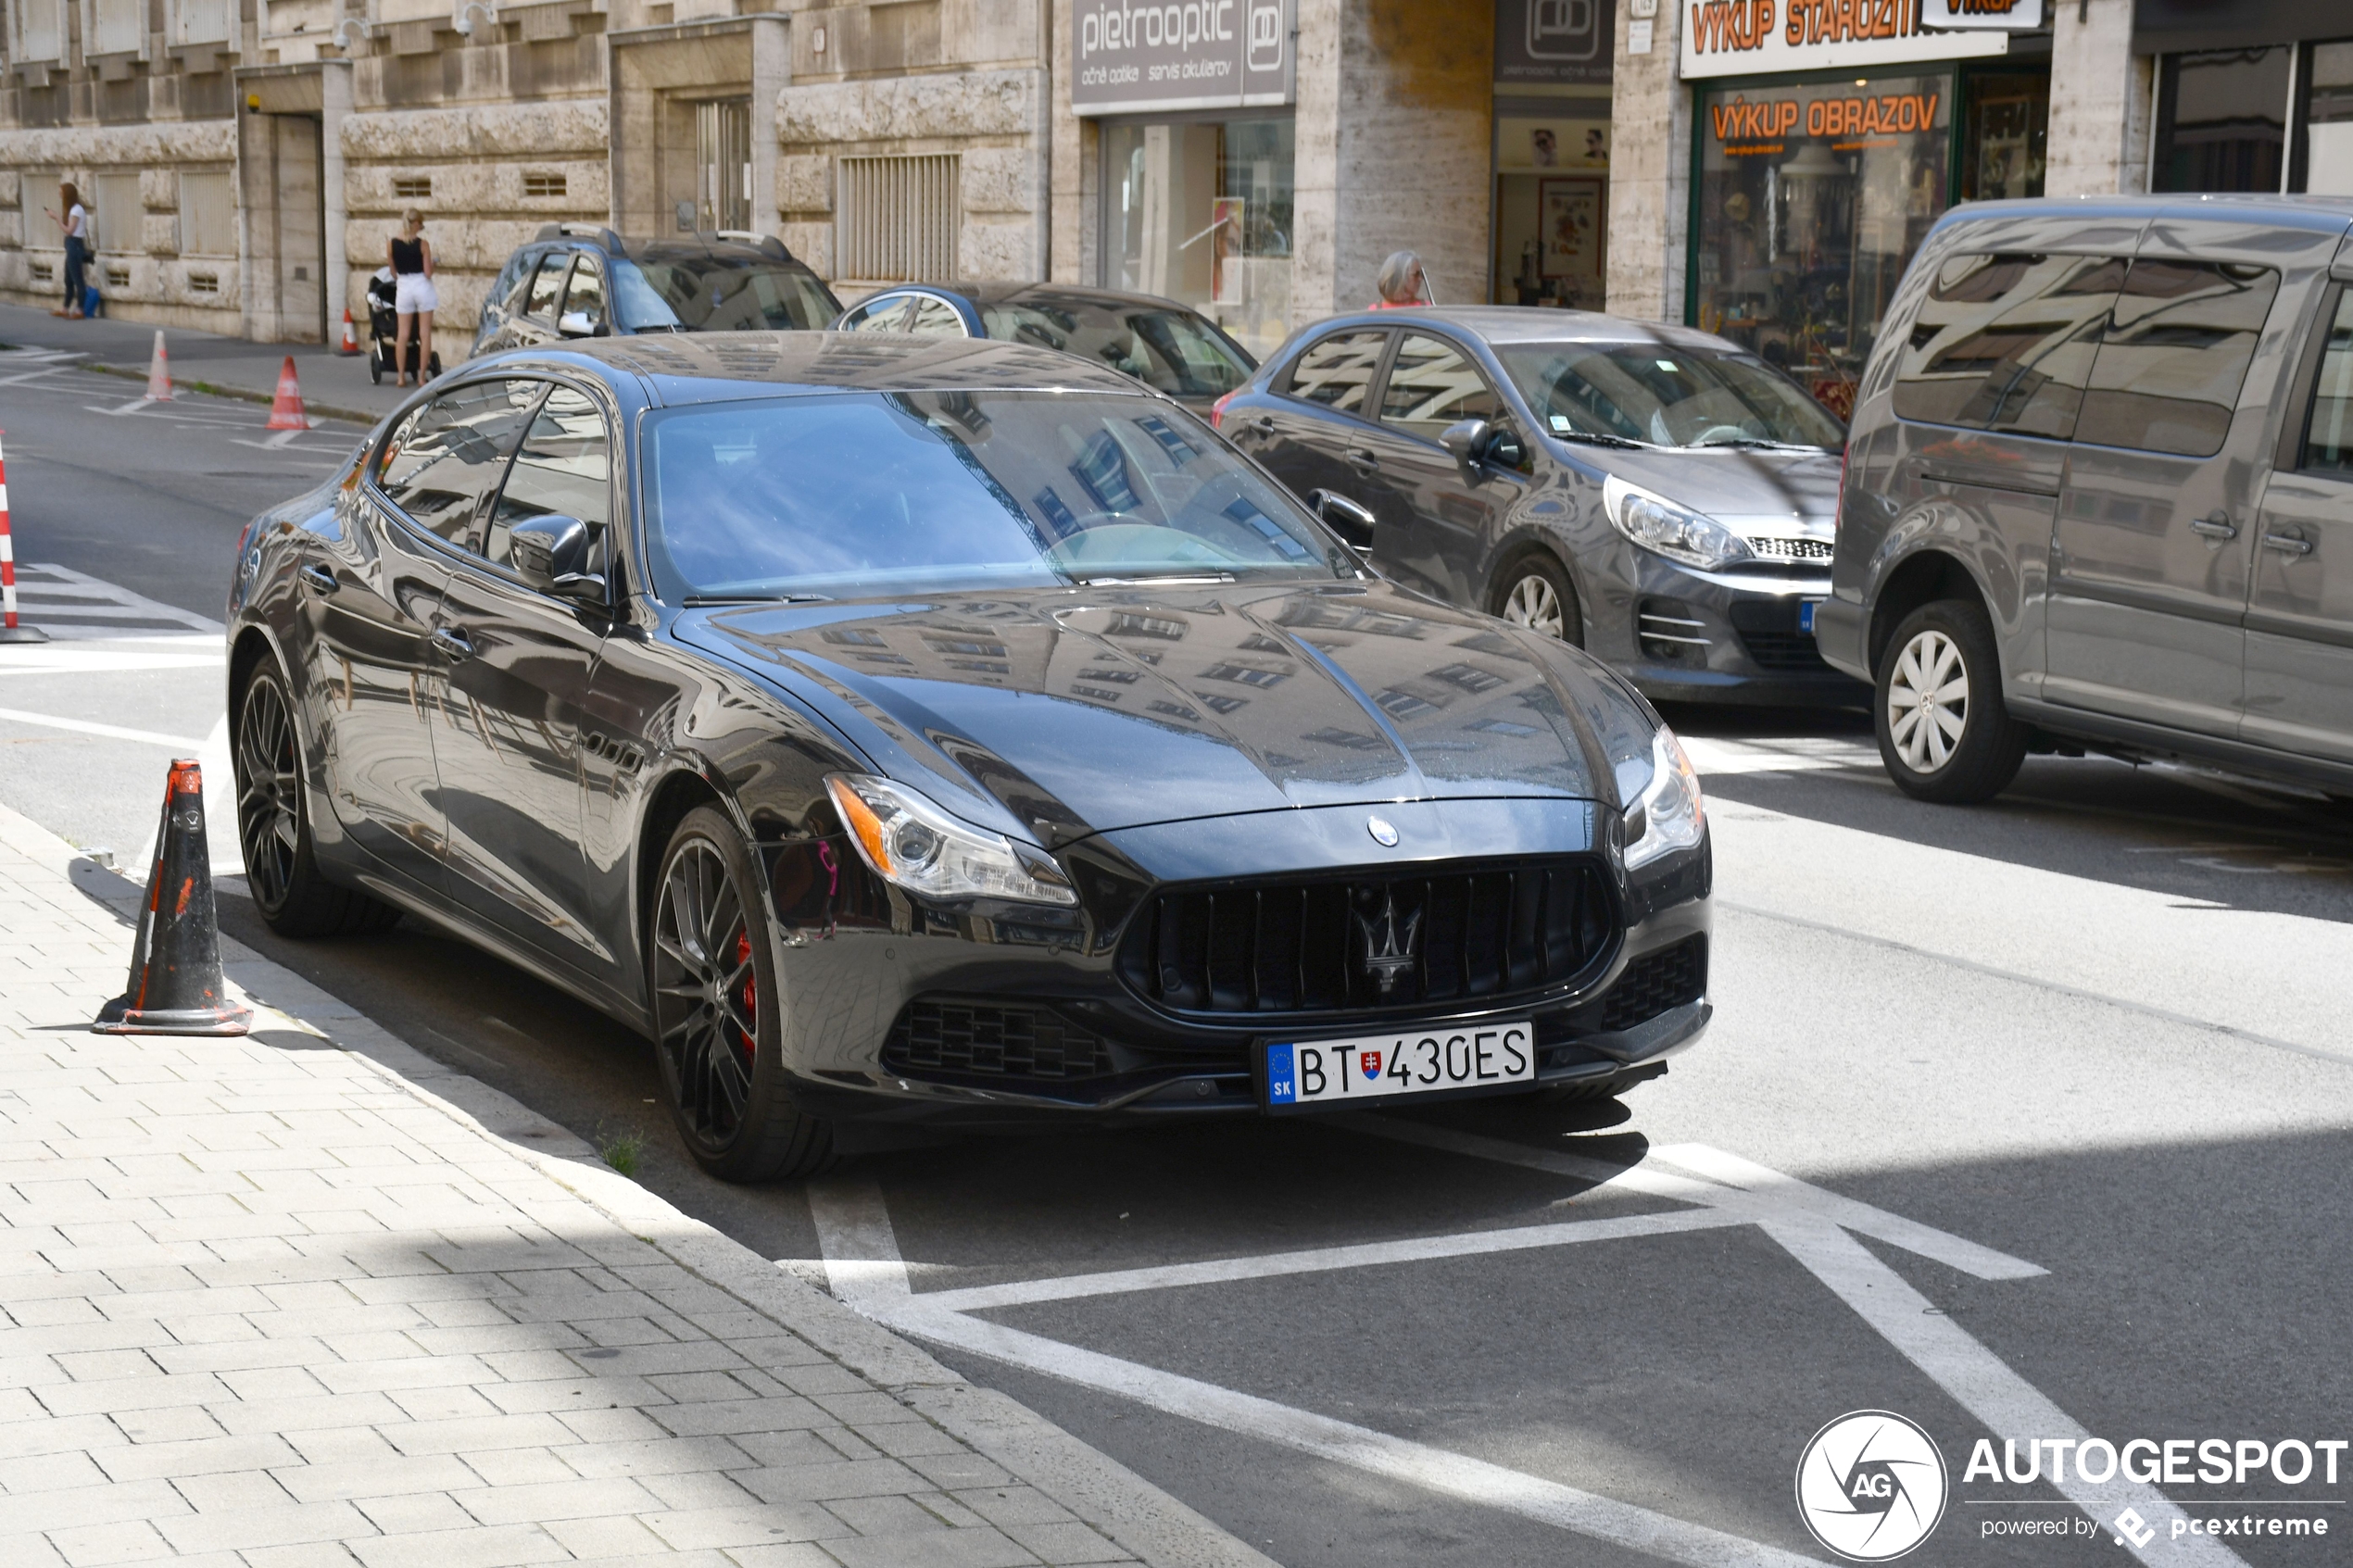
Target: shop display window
{"x":1200,"y":213}
{"x":2221,"y":119}
{"x":1808,"y":203}
{"x":2326,"y":158}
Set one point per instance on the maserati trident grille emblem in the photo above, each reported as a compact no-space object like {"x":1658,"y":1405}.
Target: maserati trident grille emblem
{"x":1383,"y":834}
{"x":1388,"y":943}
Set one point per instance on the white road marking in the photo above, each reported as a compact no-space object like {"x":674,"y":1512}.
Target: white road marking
{"x":33,"y":375}
{"x":862,"y":1263}
{"x":136,"y":406}
{"x":74,"y":605}
{"x":56,"y":659}
{"x":87,"y":727}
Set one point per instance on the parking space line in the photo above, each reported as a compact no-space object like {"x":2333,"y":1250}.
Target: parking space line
{"x":89,"y":727}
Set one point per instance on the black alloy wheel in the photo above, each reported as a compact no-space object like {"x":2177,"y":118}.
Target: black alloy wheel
{"x":274,"y":825}
{"x":717,"y":1028}
{"x":1533,"y":591}
{"x":1944,"y":732}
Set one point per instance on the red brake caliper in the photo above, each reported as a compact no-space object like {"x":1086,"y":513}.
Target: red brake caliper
{"x":751,"y":987}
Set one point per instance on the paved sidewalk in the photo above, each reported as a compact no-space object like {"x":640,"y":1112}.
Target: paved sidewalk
{"x":332,"y":387}
{"x":311,"y":1298}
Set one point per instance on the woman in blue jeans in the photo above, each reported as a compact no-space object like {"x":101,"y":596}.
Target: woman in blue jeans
{"x":75,"y":221}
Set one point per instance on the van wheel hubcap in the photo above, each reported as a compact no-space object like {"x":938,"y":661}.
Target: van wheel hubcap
{"x":1928,"y":701}
{"x":1533,"y":604}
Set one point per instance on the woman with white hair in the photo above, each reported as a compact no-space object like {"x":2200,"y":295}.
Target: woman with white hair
{"x":410,"y":255}
{"x":1402,"y":283}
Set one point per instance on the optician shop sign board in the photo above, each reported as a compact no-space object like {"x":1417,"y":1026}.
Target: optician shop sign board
{"x":1130,"y":57}
{"x":1751,"y":37}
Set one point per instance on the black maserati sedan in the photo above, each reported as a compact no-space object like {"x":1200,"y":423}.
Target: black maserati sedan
{"x":945,"y":733}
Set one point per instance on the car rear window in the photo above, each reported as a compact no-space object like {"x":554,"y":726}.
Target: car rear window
{"x":2168,"y":373}
{"x":855,"y":496}
{"x":1173,"y":351}
{"x":719,"y":294}
{"x":2005,"y":343}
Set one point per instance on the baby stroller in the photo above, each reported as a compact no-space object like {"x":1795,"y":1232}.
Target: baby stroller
{"x":384,"y":329}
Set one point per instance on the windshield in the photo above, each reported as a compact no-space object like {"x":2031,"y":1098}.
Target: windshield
{"x":1667,"y":396}
{"x":855,"y":496}
{"x":714,"y":293}
{"x":1173,"y":351}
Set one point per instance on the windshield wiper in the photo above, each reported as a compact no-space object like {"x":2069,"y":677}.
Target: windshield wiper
{"x":1155,"y":582}
{"x":1753,"y":443}
{"x":701,"y":601}
{"x":1595,"y":438}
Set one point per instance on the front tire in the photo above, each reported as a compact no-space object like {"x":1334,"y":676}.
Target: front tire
{"x":1944,"y":732}
{"x":718,"y":1030}
{"x":273,"y":825}
{"x":1533,"y":591}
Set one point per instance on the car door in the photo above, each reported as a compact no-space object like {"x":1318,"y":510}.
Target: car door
{"x":1446,"y":511}
{"x":536,"y":321}
{"x":373,"y":597}
{"x":2151,"y":545}
{"x":1320,"y":415}
{"x":2299,"y":612}
{"x":508,"y":739}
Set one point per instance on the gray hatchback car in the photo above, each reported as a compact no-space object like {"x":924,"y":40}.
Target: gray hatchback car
{"x":2099,"y":478}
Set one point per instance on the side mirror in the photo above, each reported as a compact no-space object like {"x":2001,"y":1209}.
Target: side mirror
{"x":552,"y":553}
{"x":1351,"y":520}
{"x":1505,"y":450}
{"x":576,"y":323}
{"x":1466,"y":439}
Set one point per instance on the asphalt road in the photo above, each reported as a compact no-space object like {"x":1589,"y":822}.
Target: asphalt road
{"x":2034,"y":1119}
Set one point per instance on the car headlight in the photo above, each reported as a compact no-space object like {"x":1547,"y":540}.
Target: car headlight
{"x":910,"y":842}
{"x":1669,"y":814}
{"x":1676,"y":533}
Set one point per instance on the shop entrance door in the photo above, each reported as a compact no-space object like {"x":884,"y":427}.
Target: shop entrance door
{"x":723,"y":164}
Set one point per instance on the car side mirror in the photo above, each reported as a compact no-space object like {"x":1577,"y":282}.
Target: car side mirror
{"x":553,"y":554}
{"x":1504,"y":448}
{"x":1351,"y":520}
{"x":1466,"y":439}
{"x":576,"y":323}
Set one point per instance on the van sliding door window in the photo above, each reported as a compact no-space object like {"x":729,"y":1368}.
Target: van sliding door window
{"x":2177,"y":347}
{"x":2005,"y":343}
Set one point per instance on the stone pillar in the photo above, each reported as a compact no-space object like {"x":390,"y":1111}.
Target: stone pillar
{"x":1315,"y":213}
{"x":771,"y":74}
{"x":1073,"y":227}
{"x":1650,"y":173}
{"x":335,"y":87}
{"x":2102,"y":97}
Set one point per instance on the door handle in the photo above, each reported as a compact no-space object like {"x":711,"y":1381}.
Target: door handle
{"x":2217,"y":526}
{"x":2288,"y":543}
{"x":1363,"y":458}
{"x":453,"y":645}
{"x":316,"y":576}
{"x":1262,"y":425}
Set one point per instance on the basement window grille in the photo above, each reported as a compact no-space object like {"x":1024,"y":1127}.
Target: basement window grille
{"x":118,"y":277}
{"x":44,"y":273}
{"x":544,"y":185}
{"x":204,"y":282}
{"x":897,"y":219}
{"x":412,"y":187}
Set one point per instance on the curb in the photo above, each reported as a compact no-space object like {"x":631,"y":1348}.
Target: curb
{"x":214,"y":389}
{"x":1106,"y":1495}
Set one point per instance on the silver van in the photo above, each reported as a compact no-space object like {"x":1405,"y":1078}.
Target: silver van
{"x":2099,"y":492}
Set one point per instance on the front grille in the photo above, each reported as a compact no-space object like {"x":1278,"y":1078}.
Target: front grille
{"x":1792,"y":549}
{"x":1768,"y":629}
{"x":1015,"y":1042}
{"x":1656,"y":982}
{"x":1367,"y":942}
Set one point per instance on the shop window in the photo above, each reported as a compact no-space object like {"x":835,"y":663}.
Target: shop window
{"x":1338,"y":371}
{"x":2168,"y":373}
{"x":2327,"y":154}
{"x":2006,"y":130}
{"x":1200,"y":213}
{"x":2221,"y":119}
{"x":2007,"y":342}
{"x":896,"y":219}
{"x":208,"y":217}
{"x":1811,"y":200}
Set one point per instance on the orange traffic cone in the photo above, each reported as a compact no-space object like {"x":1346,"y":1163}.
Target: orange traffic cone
{"x":176,"y":985}
{"x":350,"y":339}
{"x":159,"y":373}
{"x":286,"y":411}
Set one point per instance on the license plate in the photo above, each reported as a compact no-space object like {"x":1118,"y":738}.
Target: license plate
{"x":1411,"y":1061}
{"x":1805,"y":609}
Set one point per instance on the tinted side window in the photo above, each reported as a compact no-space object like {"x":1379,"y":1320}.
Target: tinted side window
{"x":548,"y":287}
{"x":1338,"y":371}
{"x":449,"y":455}
{"x":563,"y":469}
{"x":888,"y":316}
{"x":1431,"y":384}
{"x":587,"y":292}
{"x":2007,"y":342}
{"x":2328,"y":434}
{"x":2167,"y":375}
{"x":936,"y":317}
{"x":507,"y":289}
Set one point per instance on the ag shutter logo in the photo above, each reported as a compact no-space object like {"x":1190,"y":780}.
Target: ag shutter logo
{"x":1871,"y":1486}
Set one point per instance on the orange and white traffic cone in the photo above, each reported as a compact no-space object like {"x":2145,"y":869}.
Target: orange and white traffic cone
{"x":176,"y":987}
{"x":285,"y":411}
{"x":159,"y":372}
{"x":350,"y":339}
{"x":9,"y":631}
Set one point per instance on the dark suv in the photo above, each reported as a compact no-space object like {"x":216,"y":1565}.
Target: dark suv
{"x":2099,"y":474}
{"x":577,"y":281}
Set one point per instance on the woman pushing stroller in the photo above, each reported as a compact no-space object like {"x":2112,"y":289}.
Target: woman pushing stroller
{"x":410,"y":255}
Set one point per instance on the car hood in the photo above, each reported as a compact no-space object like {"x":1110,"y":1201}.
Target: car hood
{"x":1749,"y":490}
{"x":1076,"y":711}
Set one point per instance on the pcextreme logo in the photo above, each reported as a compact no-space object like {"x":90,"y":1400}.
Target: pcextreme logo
{"x":1871,"y":1486}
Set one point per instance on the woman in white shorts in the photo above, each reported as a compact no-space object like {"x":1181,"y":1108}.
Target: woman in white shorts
{"x":410,"y":257}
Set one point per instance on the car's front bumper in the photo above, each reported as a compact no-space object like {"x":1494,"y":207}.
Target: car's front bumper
{"x":1686,"y":635}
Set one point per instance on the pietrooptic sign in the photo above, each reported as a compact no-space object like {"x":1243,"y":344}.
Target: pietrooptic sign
{"x":1745,"y":37}
{"x":1130,"y":57}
